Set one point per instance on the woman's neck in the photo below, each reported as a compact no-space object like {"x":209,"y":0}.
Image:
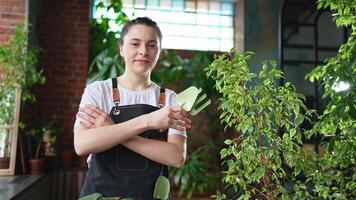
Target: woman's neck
{"x":135,"y":83}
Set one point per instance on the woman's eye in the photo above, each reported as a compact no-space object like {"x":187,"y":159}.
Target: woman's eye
{"x":153,"y":45}
{"x":134,"y":44}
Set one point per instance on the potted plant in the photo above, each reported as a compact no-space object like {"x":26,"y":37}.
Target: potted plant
{"x":43,"y":140}
{"x":264,"y":157}
{"x":18,"y":72}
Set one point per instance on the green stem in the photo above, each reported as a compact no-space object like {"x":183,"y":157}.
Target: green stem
{"x":265,"y":179}
{"x":38,"y":149}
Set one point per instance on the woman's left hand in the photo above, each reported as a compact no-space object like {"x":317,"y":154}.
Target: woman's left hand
{"x":93,"y":117}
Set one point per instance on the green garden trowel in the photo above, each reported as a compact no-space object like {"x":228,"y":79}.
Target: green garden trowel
{"x":192,"y":100}
{"x":161,"y":188}
{"x":98,"y":196}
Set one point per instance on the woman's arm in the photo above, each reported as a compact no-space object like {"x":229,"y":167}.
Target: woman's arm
{"x":97,"y":139}
{"x":97,"y":132}
{"x":171,"y":153}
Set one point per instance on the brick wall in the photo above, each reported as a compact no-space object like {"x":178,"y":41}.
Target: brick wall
{"x":62,"y":31}
{"x":11,"y":11}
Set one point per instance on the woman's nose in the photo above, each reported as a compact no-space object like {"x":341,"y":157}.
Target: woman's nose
{"x":142,"y":50}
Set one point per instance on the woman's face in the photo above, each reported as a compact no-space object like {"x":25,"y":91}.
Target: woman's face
{"x":140,"y":49}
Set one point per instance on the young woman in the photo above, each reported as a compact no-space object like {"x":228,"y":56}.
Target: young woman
{"x":132,"y":128}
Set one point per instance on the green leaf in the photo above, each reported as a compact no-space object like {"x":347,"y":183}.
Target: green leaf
{"x":228,"y":142}
{"x":223,"y":153}
{"x":260,"y":172}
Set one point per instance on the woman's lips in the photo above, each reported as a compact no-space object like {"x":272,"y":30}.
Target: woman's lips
{"x":141,"y":61}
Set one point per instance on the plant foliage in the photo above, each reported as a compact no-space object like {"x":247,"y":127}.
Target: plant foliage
{"x":19,"y":64}
{"x":267,"y":120}
{"x":335,"y":175}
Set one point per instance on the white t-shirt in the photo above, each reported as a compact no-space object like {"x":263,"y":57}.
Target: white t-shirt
{"x":99,"y":94}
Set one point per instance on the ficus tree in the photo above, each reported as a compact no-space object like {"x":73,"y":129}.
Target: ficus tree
{"x":266,"y":119}
{"x":335,"y":175}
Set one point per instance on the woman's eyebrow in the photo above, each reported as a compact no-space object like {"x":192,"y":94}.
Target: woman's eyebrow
{"x":138,"y":40}
{"x":135,"y":39}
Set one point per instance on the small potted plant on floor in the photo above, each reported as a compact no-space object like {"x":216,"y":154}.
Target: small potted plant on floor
{"x":43,"y":140}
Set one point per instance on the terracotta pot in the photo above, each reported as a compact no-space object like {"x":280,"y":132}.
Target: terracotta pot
{"x":37,"y":166}
{"x":4,"y":162}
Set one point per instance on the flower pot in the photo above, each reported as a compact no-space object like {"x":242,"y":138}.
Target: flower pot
{"x":4,"y":162}
{"x":37,"y":166}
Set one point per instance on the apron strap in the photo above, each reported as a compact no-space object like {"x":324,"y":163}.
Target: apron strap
{"x":115,"y":91}
{"x":115,"y":96}
{"x":162,"y":101}
{"x":162,"y":97}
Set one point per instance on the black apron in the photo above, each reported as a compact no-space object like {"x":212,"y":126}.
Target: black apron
{"x":120,"y":172}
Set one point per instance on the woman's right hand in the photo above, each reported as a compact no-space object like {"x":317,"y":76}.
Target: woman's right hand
{"x":169,"y":117}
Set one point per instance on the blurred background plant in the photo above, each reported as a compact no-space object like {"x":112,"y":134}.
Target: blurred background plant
{"x":43,"y":137}
{"x":104,"y":59}
{"x":198,"y":175}
{"x":18,"y":72}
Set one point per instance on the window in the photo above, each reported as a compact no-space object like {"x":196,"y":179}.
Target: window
{"x":187,"y":24}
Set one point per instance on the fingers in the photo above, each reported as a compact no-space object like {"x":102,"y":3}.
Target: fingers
{"x":92,"y":111}
{"x":179,"y":122}
{"x":86,"y":125}
{"x":182,"y":118}
{"x":87,"y":118}
{"x":179,"y":125}
{"x":94,"y":116}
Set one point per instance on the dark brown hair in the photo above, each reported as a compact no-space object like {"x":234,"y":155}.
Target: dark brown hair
{"x":140,"y":21}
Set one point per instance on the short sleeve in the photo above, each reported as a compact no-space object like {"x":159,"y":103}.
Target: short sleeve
{"x":171,"y":101}
{"x":91,"y":95}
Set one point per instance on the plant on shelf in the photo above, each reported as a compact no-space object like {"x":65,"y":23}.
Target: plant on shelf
{"x":266,"y":119}
{"x":18,"y":73}
{"x":335,"y":175}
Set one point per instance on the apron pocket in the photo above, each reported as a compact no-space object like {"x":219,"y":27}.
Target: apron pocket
{"x":127,"y":160}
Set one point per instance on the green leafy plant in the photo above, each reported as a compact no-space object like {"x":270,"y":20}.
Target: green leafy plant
{"x":195,"y":177}
{"x":103,"y":42}
{"x":266,"y":119}
{"x":18,"y":67}
{"x":334,"y":177}
{"x":186,"y":72}
{"x":107,"y":64}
